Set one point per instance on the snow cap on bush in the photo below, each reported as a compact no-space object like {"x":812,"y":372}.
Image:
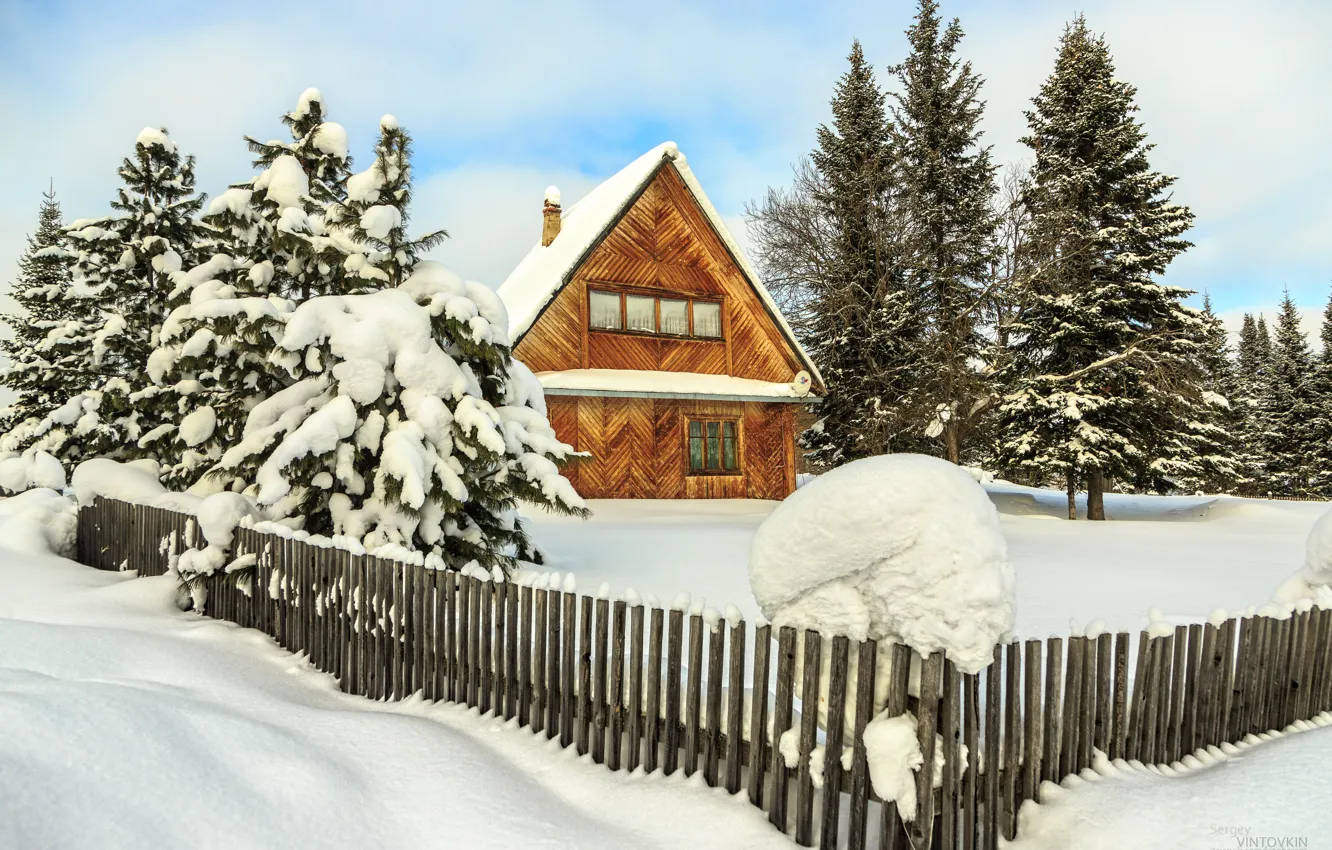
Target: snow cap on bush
{"x":1313,"y":581}
{"x":902,"y":548}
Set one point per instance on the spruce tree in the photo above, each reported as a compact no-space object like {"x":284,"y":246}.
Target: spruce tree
{"x":1251,"y":369}
{"x":835,"y":241}
{"x":1290,"y":409}
{"x":1209,"y":454}
{"x":1320,"y":426}
{"x":115,"y":305}
{"x":375,"y":215}
{"x":1103,"y":352}
{"x":948,"y":192}
{"x":40,"y":291}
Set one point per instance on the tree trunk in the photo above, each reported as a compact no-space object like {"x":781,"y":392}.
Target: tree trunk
{"x":1096,"y":495}
{"x":1071,"y":485}
{"x":954,"y":444}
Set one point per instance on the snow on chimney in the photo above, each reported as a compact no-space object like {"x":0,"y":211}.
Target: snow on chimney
{"x":550,"y":216}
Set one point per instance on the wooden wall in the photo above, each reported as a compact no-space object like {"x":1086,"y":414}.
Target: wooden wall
{"x":639,"y":450}
{"x":663,"y":242}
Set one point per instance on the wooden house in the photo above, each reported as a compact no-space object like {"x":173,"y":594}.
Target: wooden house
{"x":661,"y":353}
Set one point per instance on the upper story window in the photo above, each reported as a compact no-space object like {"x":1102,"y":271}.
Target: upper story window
{"x":609,"y":310}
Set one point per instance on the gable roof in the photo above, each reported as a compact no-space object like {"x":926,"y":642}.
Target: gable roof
{"x":535,"y":282}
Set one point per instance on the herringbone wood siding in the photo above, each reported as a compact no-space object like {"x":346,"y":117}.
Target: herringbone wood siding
{"x":639,"y":448}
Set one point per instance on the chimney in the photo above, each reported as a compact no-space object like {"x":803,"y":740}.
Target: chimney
{"x":550,"y":216}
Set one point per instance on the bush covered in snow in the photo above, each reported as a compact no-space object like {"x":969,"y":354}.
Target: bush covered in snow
{"x":901,"y":548}
{"x":1312,"y":582}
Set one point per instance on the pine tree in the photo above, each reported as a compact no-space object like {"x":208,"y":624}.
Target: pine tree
{"x":1289,"y":436}
{"x":834,"y":243}
{"x":40,"y":292}
{"x":1102,"y":352}
{"x":375,"y":215}
{"x":1251,"y":368}
{"x":948,"y":194}
{"x":115,"y":305}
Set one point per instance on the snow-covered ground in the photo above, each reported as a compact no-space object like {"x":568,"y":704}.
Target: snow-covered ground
{"x":1185,"y":556}
{"x":126,"y":723}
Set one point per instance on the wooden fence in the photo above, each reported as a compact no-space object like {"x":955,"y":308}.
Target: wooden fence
{"x":667,"y":690}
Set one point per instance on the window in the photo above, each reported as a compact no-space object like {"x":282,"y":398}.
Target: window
{"x":713,"y":449}
{"x":707,"y":319}
{"x":640,"y":313}
{"x":674,"y":317}
{"x":609,"y":310}
{"x":604,"y":310}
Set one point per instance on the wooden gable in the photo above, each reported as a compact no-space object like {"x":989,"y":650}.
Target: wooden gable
{"x":662,"y":242}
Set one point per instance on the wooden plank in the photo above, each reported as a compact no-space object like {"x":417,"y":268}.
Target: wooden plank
{"x":1237,"y":716}
{"x":836,"y":727}
{"x":1188,"y":741}
{"x":951,"y":723}
{"x":541,"y":624}
{"x":569,"y":670}
{"x":921,"y":828}
{"x":1308,"y":670}
{"x":712,"y":725}
{"x":599,"y":660}
{"x":1087,"y":705}
{"x":1209,"y":693}
{"x":1295,"y":709}
{"x":451,"y":691}
{"x":466,"y":609}
{"x":892,"y":830}
{"x":1137,"y":731}
{"x":858,"y":815}
{"x":617,"y":710}
{"x":526,"y":649}
{"x":1012,"y":737}
{"x":735,"y":707}
{"x":993,"y":700}
{"x":1032,"y":730}
{"x":1179,"y":658}
{"x":809,"y":698}
{"x":1119,"y":700}
{"x":781,"y":722}
{"x":758,"y":718}
{"x":693,"y":694}
{"x":671,"y":756}
{"x":485,"y":591}
{"x":1068,"y":753}
{"x":636,"y":662}
{"x":584,"y":692}
{"x":554,"y":700}
{"x":1104,"y":691}
{"x":502,"y":670}
{"x":1164,"y":681}
{"x":1318,"y":689}
{"x":654,"y":683}
{"x":970,"y":739}
{"x":1054,"y":671}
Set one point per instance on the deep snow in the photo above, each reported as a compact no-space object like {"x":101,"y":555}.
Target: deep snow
{"x":130,"y":724}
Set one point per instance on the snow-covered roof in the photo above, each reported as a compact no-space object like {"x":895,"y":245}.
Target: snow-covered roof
{"x":545,"y":270}
{"x":653,"y":384}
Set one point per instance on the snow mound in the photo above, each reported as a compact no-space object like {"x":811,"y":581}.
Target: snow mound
{"x":31,"y":469}
{"x":1314,"y":580}
{"x":901,"y":548}
{"x":39,"y":522}
{"x":152,"y":136}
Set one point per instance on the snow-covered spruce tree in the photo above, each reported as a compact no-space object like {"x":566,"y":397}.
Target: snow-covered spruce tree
{"x":115,"y":305}
{"x":1102,"y":352}
{"x":832,"y":243}
{"x":948,"y":193}
{"x":1209,"y":454}
{"x":1251,"y":369}
{"x":375,"y":215}
{"x":272,"y":244}
{"x":1321,"y":426}
{"x":406,"y":423}
{"x":40,"y":292}
{"x":1290,"y":409}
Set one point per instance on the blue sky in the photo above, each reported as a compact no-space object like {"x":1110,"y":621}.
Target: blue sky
{"x":504,"y":98}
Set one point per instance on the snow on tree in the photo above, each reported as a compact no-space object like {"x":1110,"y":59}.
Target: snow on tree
{"x":1290,"y":409}
{"x":1208,"y":454}
{"x":831,"y":250}
{"x":272,"y":244}
{"x":114,"y":306}
{"x":1320,"y":427}
{"x":1102,"y":351}
{"x":406,"y":423}
{"x":947,"y":195}
{"x":40,"y":292}
{"x":375,"y":215}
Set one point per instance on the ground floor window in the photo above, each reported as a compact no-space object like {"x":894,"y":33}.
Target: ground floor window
{"x":713,"y":446}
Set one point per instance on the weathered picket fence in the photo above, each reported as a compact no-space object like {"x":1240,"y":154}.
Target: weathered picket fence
{"x":623,"y":683}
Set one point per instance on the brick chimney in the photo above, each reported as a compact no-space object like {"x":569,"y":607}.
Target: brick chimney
{"x":550,"y":216}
